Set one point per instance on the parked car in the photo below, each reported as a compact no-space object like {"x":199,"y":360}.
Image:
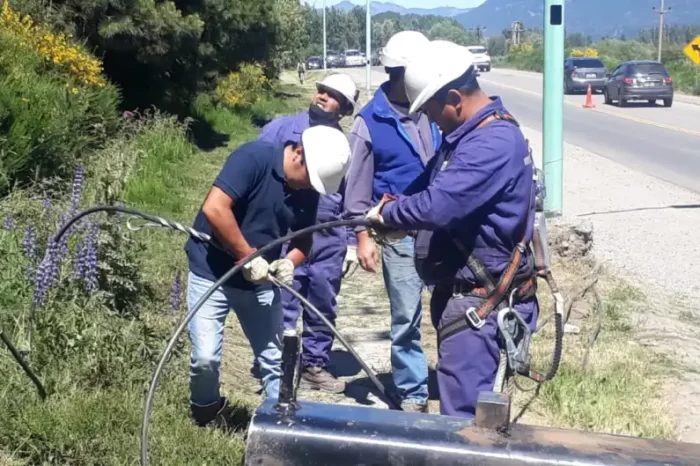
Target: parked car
{"x":579,"y":72}
{"x":334,"y":59}
{"x":354,"y":58}
{"x":482,"y":60}
{"x":314,"y":63}
{"x":639,"y":80}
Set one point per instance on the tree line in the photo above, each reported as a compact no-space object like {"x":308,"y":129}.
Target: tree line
{"x":347,"y":29}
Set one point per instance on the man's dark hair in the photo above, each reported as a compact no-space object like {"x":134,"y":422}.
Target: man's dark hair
{"x":466,"y":84}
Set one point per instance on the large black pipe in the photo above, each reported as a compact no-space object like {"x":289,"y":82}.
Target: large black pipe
{"x":328,"y":434}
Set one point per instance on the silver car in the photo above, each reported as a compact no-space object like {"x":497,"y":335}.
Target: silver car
{"x":579,"y":72}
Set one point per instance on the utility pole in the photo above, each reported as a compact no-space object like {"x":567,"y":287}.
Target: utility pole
{"x":516,"y":32}
{"x":368,"y":45}
{"x":324,"y":36}
{"x":553,"y":107}
{"x":662,"y":11}
{"x":478,"y":30}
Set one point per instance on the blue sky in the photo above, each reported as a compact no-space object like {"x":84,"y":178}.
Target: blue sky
{"x":412,"y":3}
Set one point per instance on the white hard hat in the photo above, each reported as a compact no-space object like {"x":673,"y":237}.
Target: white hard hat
{"x":343,"y":84}
{"x":400,"y":47}
{"x":327,"y":154}
{"x":438,"y":64}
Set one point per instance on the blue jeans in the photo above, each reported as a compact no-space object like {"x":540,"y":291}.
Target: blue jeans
{"x":404,"y":287}
{"x":260,"y":315}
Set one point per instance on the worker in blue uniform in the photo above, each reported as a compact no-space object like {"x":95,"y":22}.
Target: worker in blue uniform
{"x":474,"y":212}
{"x":318,"y":279}
{"x":263,"y":191}
{"x":390,"y":150}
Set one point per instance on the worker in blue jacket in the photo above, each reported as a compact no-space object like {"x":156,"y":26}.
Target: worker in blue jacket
{"x":390,"y":149}
{"x":318,"y":279}
{"x":474,"y":209}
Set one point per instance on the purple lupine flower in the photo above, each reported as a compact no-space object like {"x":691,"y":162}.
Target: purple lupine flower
{"x":176,"y":293}
{"x":7,"y":222}
{"x":47,"y":273}
{"x":78,"y":182}
{"x":91,"y":271}
{"x":80,"y":260}
{"x":63,"y":243}
{"x":29,"y":248}
{"x":29,"y":243}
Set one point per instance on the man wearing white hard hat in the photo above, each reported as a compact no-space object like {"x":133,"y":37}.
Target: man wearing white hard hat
{"x":474,"y":212}
{"x":318,"y":279}
{"x":263,"y":191}
{"x":391,"y":148}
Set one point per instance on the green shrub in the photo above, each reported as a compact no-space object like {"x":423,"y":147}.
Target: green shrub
{"x":48,"y":122}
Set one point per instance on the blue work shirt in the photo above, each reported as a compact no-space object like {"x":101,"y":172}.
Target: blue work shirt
{"x":478,"y":188}
{"x":288,"y":129}
{"x":265,"y":209}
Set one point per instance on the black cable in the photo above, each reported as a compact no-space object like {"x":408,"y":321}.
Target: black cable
{"x":203,"y":237}
{"x":220,"y":282}
{"x":25,"y":366}
{"x":390,"y":397}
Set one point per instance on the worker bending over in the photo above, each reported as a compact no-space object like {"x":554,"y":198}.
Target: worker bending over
{"x":318,"y":279}
{"x":390,"y":150}
{"x":475,"y":200}
{"x":262,"y":192}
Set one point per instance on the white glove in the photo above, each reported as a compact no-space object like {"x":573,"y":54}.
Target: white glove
{"x":256,"y":270}
{"x":350,"y":262}
{"x":283,"y":270}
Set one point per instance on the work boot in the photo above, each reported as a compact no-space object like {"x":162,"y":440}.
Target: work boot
{"x":318,"y":378}
{"x":414,"y":407}
{"x":214,"y":415}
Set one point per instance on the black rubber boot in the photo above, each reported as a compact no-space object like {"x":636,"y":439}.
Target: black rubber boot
{"x":213,"y":415}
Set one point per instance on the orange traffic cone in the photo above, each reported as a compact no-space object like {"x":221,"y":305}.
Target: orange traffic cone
{"x":589,"y":99}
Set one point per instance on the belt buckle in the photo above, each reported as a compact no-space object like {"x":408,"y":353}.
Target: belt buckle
{"x":457,"y":291}
{"x":474,"y":319}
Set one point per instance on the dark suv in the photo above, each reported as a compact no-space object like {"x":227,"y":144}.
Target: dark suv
{"x":579,"y":72}
{"x":639,"y":80}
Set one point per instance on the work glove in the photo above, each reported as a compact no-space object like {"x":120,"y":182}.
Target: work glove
{"x":283,"y":270}
{"x":350,"y":263}
{"x":256,"y":270}
{"x":383,"y":234}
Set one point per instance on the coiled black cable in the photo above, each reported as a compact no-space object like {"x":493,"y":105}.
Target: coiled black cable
{"x":159,"y":221}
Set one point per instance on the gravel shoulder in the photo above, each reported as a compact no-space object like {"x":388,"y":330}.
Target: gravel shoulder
{"x":645,"y":230}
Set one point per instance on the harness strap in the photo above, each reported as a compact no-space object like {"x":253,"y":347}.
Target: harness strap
{"x":496,"y":292}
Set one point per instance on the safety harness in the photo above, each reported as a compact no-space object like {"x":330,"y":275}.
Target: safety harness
{"x":493,"y":292}
{"x":511,"y":287}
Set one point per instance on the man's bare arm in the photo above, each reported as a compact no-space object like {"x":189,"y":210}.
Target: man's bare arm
{"x":217,"y":209}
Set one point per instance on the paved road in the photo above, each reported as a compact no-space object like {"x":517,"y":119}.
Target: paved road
{"x":663,"y":142}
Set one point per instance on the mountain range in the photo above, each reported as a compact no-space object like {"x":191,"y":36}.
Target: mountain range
{"x":594,"y":17}
{"x":384,"y":7}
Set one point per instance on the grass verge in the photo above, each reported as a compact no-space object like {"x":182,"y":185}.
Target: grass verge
{"x":95,"y":353}
{"x":620,"y":389}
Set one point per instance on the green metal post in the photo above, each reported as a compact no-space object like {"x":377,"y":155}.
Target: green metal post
{"x":553,"y":106}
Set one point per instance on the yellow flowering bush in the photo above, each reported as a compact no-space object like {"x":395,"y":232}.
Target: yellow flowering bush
{"x":242,"y":89}
{"x":522,"y":48}
{"x":57,"y":49}
{"x":584,"y":52}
